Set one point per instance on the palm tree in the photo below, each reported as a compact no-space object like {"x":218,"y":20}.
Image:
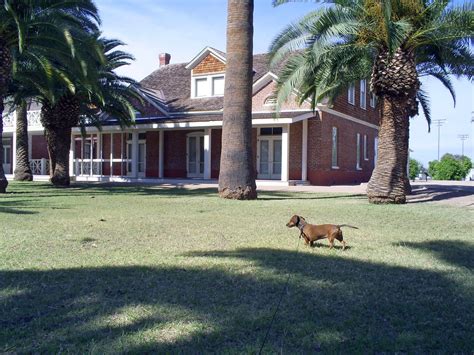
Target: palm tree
{"x":31,"y":26}
{"x":237,"y":172}
{"x":86,"y":97}
{"x":392,"y":42}
{"x":22,"y":170}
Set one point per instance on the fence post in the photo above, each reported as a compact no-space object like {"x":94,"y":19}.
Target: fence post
{"x":43,"y":166}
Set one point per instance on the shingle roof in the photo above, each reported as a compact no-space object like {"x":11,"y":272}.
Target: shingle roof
{"x":173,"y":85}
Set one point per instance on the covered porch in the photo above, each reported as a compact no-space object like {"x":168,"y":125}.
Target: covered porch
{"x":187,"y":150}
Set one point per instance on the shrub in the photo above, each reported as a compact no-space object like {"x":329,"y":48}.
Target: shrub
{"x":414,"y":168}
{"x":450,"y":167}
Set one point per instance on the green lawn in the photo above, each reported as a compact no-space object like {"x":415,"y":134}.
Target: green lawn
{"x":99,"y":269}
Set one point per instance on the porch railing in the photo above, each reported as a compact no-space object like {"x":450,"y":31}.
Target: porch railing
{"x":39,"y":166}
{"x":33,"y":119}
{"x":94,"y":167}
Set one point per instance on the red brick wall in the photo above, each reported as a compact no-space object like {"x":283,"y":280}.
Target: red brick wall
{"x":369,"y":114}
{"x":152,"y":153}
{"x":216,"y":146}
{"x":320,"y":171}
{"x":175,"y":153}
{"x":39,"y":148}
{"x":296,"y":134}
{"x":210,"y":64}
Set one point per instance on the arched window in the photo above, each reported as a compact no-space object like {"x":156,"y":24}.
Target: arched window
{"x":270,"y":101}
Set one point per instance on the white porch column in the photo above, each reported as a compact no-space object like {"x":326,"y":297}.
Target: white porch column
{"x":14,"y":146}
{"x":285,"y":153}
{"x":111,"y":163}
{"x":304,"y":151}
{"x":161,"y":154}
{"x":207,"y":153}
{"x":135,"y":154}
{"x":71,"y":157}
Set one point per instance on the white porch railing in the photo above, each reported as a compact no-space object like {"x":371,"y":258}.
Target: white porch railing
{"x":34,"y":119}
{"x":93,"y":167}
{"x":39,"y":166}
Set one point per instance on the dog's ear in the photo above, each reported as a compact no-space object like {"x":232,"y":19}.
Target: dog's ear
{"x":297,"y":220}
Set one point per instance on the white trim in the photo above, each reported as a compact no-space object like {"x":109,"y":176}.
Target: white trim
{"x":72,"y":148}
{"x":207,"y":153}
{"x":203,"y":54}
{"x":14,"y":147}
{"x":358,"y":166}
{"x":134,"y":154}
{"x":366,"y":153}
{"x":363,"y":98}
{"x":210,"y":86}
{"x":347,"y":117}
{"x":198,"y":136}
{"x":334,"y":147}
{"x":285,"y":153}
{"x":351,"y":94}
{"x":304,"y":151}
{"x":263,"y":81}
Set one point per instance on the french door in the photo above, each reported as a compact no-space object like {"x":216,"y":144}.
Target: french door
{"x":141,"y":166}
{"x":195,"y":155}
{"x":7,"y":162}
{"x":269,"y":158}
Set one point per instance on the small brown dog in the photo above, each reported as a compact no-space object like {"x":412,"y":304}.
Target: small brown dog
{"x":313,"y":232}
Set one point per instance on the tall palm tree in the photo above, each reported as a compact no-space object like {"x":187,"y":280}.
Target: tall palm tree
{"x":28,"y":27}
{"x":392,"y":42}
{"x":86,"y":97}
{"x":237,"y":172}
{"x":22,"y":168}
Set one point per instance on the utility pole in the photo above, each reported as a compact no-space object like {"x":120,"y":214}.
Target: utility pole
{"x":439,"y":123}
{"x":463,"y":137}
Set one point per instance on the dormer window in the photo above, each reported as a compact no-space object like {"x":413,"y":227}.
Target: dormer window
{"x":207,"y":86}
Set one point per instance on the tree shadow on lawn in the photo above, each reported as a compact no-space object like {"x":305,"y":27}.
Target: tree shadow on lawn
{"x":16,"y":207}
{"x":433,"y":193}
{"x":275,"y":196}
{"x":332,"y":304}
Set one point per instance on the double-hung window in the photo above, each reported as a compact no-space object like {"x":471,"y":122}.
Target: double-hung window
{"x":351,"y":94}
{"x":363,"y":94}
{"x":334,"y":148}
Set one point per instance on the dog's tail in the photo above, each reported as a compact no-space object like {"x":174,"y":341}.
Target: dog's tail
{"x":346,"y":225}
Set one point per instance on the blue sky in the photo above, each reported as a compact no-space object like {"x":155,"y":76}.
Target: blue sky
{"x":184,"y":27}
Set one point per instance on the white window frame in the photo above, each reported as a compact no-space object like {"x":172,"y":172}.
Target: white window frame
{"x":358,"y":167}
{"x":210,"y":88}
{"x":366,"y":153}
{"x":363,"y":94}
{"x":334,"y":152}
{"x":351,"y":94}
{"x":373,"y":100}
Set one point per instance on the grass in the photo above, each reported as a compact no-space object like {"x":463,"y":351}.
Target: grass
{"x":107,"y":269}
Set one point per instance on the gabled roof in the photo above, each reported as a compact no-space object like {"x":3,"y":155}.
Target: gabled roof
{"x":203,"y":54}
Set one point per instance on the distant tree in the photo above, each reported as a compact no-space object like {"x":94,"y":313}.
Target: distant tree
{"x":415,"y":168}
{"x":450,"y":167}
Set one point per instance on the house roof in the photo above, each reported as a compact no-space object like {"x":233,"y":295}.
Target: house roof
{"x":172,"y":85}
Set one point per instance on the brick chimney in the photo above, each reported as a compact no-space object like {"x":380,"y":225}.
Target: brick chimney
{"x":164,"y":59}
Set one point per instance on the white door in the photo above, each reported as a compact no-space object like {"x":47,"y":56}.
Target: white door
{"x":195,"y":155}
{"x":7,"y":162}
{"x":269,"y":158}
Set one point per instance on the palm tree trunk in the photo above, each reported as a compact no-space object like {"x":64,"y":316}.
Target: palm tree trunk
{"x":58,"y":120}
{"x":22,"y":171}
{"x":389,"y":182}
{"x":3,"y":179}
{"x":237,"y":172}
{"x":59,"y":143}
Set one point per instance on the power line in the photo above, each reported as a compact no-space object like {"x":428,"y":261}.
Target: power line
{"x":463,"y":137}
{"x":439,"y":123}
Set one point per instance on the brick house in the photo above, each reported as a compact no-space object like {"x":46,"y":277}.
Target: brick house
{"x":178,"y":133}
